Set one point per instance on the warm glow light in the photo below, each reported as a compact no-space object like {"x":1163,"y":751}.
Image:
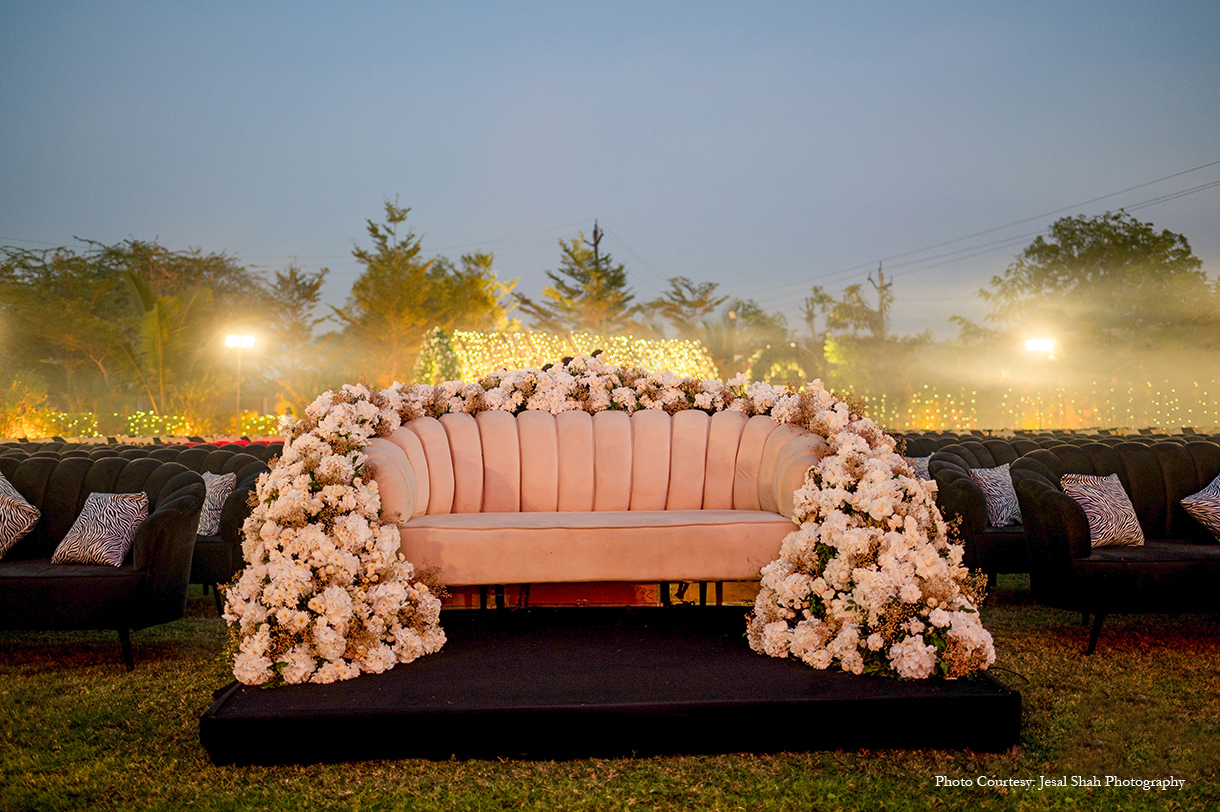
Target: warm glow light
{"x":1040,"y":345}
{"x":482,"y":353}
{"x":239,"y":341}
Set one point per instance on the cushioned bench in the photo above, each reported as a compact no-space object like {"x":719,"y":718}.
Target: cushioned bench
{"x":1176,"y":569}
{"x":647,"y":497}
{"x":148,"y":588}
{"x":217,"y":557}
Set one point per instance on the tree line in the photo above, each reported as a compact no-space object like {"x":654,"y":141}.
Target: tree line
{"x":112,"y":329}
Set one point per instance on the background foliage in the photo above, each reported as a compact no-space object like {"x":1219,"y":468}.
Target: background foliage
{"x":112,"y":330}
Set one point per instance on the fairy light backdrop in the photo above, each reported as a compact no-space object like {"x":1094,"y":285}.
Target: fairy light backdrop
{"x":482,"y":353}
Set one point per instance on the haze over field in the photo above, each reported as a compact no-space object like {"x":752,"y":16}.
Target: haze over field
{"x":765,"y":147}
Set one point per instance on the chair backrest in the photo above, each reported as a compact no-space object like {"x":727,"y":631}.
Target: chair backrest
{"x":1156,"y":476}
{"x":59,"y":487}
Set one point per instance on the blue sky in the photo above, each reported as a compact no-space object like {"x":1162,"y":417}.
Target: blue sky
{"x":762,"y":146}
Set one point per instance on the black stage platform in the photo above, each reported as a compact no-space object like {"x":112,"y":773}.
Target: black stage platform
{"x":575,"y":683}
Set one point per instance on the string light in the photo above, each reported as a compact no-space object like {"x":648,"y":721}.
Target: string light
{"x":483,"y":353}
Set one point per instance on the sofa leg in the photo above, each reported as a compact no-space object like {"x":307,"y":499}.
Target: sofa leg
{"x":125,"y":645}
{"x":665,"y":593}
{"x":499,"y":596}
{"x":703,"y":593}
{"x":1096,"y":632}
{"x":220,"y":601}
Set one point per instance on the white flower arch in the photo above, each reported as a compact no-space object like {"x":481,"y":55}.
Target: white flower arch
{"x":869,"y":580}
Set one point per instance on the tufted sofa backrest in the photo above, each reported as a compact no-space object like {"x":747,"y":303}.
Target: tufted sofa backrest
{"x":989,"y":453}
{"x":59,"y":486}
{"x":1156,"y":476}
{"x":498,"y":462}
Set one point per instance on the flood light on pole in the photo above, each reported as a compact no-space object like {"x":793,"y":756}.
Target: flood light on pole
{"x":1046,"y":345}
{"x":241,"y":342}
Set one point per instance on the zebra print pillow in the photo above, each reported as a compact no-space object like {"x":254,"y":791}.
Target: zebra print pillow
{"x":920,"y":464}
{"x":219,"y":487}
{"x":1204,"y":506}
{"x":17,"y":516}
{"x":1112,"y":519}
{"x":996,"y":484}
{"x":104,"y":530}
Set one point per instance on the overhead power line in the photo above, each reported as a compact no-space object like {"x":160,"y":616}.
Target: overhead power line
{"x":978,"y":250}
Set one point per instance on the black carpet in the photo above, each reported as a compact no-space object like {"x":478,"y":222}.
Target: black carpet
{"x":573,"y":683}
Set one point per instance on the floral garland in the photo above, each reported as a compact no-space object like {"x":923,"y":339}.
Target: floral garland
{"x":869,"y":579}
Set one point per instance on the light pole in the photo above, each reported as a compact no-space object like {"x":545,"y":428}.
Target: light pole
{"x":1040,"y":346}
{"x":240,"y":342}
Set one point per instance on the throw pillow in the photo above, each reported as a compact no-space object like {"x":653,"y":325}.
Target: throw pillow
{"x":219,"y":486}
{"x":1112,"y":519}
{"x":104,"y":530}
{"x":996,"y":484}
{"x":17,"y":516}
{"x":920,"y":464}
{"x":1204,"y":506}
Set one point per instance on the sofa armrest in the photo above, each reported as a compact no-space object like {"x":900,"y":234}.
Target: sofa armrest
{"x":793,"y":462}
{"x":961,"y":499}
{"x":163,"y":548}
{"x":395,"y":479}
{"x":236,"y":510}
{"x":1058,"y":535}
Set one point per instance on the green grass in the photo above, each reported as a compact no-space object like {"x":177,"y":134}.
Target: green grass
{"x":78,"y":732}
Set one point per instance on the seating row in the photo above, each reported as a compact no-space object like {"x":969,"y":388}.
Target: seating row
{"x":148,"y":587}
{"x":1050,"y":536}
{"x":217,"y":556}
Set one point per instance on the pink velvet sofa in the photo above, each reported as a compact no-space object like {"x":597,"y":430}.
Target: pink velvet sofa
{"x":498,"y":498}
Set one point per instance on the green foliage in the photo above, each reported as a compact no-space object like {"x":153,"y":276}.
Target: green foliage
{"x":437,"y":361}
{"x":739,"y":331}
{"x":589,"y":293}
{"x":853,"y":314}
{"x":400,"y":296}
{"x":293,"y":299}
{"x":66,"y":312}
{"x":114,"y":324}
{"x":168,"y":354}
{"x":1106,"y":282}
{"x":686,"y":304}
{"x":23,"y":396}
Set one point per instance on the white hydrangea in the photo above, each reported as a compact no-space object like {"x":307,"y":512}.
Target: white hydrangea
{"x":316,"y":534}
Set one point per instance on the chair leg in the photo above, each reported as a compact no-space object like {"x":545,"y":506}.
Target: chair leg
{"x":499,"y":596}
{"x":719,"y":593}
{"x":523,"y":596}
{"x":1096,"y":632}
{"x":665,"y":593}
{"x":125,"y":644}
{"x":483,"y":596}
{"x":220,"y":601}
{"x":703,"y":593}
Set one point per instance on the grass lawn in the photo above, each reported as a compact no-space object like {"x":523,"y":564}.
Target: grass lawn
{"x":78,"y":732}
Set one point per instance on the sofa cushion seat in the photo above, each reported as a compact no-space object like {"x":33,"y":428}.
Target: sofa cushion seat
{"x":998,"y":549}
{"x":1169,"y":575}
{"x":1155,"y":551}
{"x":581,"y":546}
{"x":37,"y":594}
{"x":217,"y":556}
